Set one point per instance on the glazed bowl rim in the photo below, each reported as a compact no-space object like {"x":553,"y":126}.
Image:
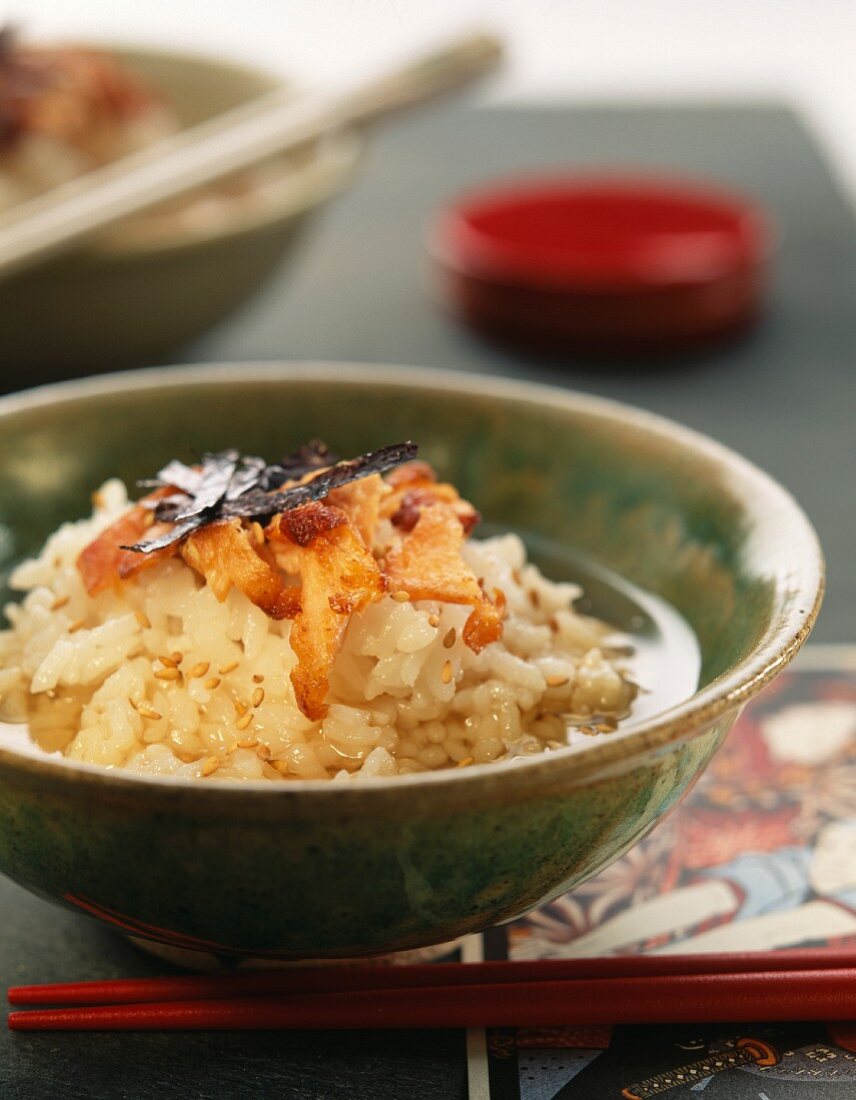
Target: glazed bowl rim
{"x":727,"y":693}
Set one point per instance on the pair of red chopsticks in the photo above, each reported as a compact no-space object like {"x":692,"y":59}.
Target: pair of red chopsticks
{"x":788,"y":985}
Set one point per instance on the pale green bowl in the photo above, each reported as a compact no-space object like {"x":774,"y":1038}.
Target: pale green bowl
{"x":313,"y":869}
{"x":129,"y":300}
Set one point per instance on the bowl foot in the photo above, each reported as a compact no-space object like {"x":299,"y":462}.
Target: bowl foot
{"x":208,"y":962}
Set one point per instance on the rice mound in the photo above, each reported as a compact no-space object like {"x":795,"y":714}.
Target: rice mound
{"x":157,"y":676}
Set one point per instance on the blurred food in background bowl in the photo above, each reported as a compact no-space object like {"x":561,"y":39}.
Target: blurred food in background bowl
{"x":610,"y":265}
{"x":163,"y":277}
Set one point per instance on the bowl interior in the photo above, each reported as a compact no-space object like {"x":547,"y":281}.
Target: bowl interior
{"x":198,"y":87}
{"x":668,"y":510}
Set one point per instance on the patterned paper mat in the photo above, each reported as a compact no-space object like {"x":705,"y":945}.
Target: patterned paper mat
{"x":761,"y":854}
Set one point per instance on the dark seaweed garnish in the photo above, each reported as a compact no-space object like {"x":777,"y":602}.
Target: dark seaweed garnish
{"x":229,"y":485}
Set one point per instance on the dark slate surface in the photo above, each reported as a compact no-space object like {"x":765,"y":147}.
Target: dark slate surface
{"x":785,"y":398}
{"x":42,"y":943}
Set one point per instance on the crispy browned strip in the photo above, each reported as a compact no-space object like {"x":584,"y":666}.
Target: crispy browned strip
{"x":224,"y":555}
{"x":485,"y":622}
{"x":361,"y":501}
{"x":414,"y":500}
{"x":129,"y":562}
{"x":415,"y":486}
{"x":427,"y":565}
{"x":104,"y":559}
{"x":427,"y":562}
{"x":302,"y":525}
{"x":339,"y":576}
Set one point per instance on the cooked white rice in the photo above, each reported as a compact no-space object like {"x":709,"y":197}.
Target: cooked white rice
{"x":155,"y":675}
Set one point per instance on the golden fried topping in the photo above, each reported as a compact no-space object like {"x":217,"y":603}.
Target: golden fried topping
{"x":427,"y":565}
{"x":426,"y":562}
{"x":338,"y":577}
{"x":415,"y":486}
{"x":302,"y":525}
{"x":106,"y":559}
{"x":316,"y":562}
{"x":224,"y":554}
{"x":361,"y":501}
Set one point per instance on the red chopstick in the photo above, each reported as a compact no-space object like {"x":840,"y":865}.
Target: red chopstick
{"x":704,"y":997}
{"x":331,"y":979}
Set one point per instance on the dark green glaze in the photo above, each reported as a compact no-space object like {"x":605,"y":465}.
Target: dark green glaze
{"x":310,"y":870}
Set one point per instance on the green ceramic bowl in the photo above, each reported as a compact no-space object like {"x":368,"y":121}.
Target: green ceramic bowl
{"x":133,"y":297}
{"x":312,"y":869}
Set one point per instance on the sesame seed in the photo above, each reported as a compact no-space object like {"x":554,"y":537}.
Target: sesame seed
{"x":258,"y":532}
{"x":167,"y":674}
{"x":210,"y":765}
{"x":177,"y":657}
{"x":212,"y":682}
{"x":78,"y":624}
{"x":248,"y":742}
{"x":51,"y":694}
{"x":224,"y":669}
{"x":401,"y":596}
{"x":446,"y":674}
{"x":516,"y":577}
{"x":263,"y":752}
{"x":59,"y":602}
{"x":244,"y":722}
{"x":232,"y":748}
{"x":240,"y":707}
{"x":98,"y":500}
{"x":258,"y":697}
{"x":553,"y":623}
{"x":280,"y":765}
{"x":148,"y":712}
{"x":433,"y":620}
{"x":534,"y":598}
{"x":258,"y":678}
{"x":168,"y":662}
{"x":557,"y":681}
{"x":142,"y":619}
{"x":449,"y":640}
{"x":465,"y":762}
{"x":198,"y":671}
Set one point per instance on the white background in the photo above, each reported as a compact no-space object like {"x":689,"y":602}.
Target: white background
{"x":802,"y":51}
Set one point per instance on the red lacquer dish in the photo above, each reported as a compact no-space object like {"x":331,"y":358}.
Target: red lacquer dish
{"x":619,"y":264}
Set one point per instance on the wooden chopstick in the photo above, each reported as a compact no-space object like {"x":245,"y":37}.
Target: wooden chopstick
{"x":330,"y":979}
{"x":702,"y":998}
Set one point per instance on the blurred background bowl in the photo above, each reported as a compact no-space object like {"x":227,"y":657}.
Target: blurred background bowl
{"x":150,"y":286}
